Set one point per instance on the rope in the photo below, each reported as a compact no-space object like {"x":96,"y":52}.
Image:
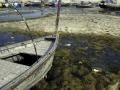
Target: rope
{"x":28,"y":28}
{"x":58,"y":15}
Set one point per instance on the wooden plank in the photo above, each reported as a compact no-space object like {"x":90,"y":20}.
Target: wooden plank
{"x":9,"y":71}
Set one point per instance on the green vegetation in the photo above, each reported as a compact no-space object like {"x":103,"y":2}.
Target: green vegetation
{"x":72,"y":66}
{"x":17,"y":31}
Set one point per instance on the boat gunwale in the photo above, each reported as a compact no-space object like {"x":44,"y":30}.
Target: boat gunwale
{"x":11,"y":46}
{"x":20,"y":78}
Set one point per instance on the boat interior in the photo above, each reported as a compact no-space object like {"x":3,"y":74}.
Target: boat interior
{"x":19,"y":57}
{"x":24,"y":53}
{"x":22,"y":58}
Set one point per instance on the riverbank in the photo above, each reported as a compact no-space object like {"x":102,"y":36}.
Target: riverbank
{"x":72,"y":23}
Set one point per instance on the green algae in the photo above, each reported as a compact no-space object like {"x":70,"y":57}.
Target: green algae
{"x":72,"y":66}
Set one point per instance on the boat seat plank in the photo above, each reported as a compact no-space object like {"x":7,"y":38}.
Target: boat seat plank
{"x":9,"y":70}
{"x":42,"y":47}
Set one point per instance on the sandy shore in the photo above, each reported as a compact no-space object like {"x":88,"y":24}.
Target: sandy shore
{"x":75,"y":23}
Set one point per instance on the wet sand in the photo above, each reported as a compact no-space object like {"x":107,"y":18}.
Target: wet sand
{"x":73,"y":23}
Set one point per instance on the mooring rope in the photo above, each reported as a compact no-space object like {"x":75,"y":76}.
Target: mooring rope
{"x":58,"y":16}
{"x":28,"y":28}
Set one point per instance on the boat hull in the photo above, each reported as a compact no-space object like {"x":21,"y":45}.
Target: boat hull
{"x":37,"y":71}
{"x":35,"y":77}
{"x":84,"y":6}
{"x":109,"y":7}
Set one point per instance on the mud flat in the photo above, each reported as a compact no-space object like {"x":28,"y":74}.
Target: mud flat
{"x":72,"y":23}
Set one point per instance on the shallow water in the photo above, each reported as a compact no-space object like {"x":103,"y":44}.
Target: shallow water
{"x":11,"y":15}
{"x":9,"y":38}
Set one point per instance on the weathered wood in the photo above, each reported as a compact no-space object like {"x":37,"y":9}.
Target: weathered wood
{"x":29,"y":75}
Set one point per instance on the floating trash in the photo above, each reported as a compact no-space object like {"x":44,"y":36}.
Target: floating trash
{"x":68,"y":45}
{"x":12,"y":37}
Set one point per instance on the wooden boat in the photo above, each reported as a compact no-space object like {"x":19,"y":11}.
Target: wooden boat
{"x":21,"y":68}
{"x":55,"y":4}
{"x":24,"y":64}
{"x":33,"y":4}
{"x":84,"y":6}
{"x":111,"y":7}
{"x":2,"y":5}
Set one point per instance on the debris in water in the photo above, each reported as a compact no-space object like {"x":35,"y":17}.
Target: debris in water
{"x":68,"y":45}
